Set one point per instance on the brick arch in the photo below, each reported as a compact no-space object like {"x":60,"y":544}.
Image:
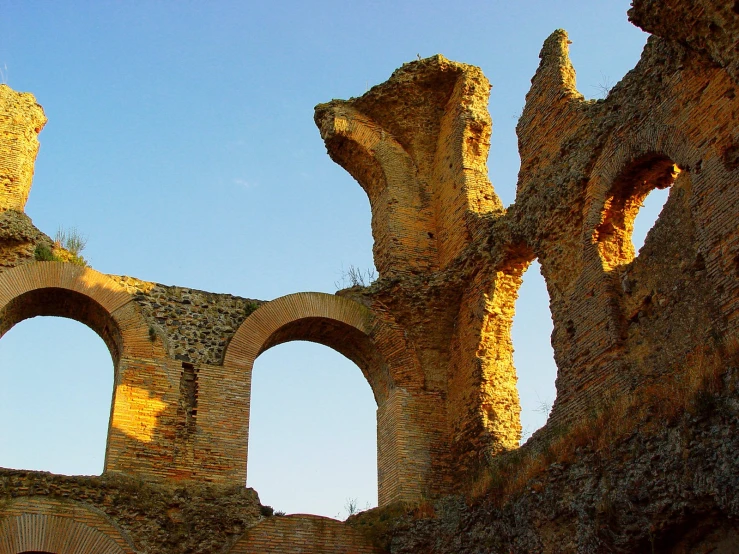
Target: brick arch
{"x":140,"y":381}
{"x":626,"y":160}
{"x":388,"y":174}
{"x":408,"y":418}
{"x":79,"y":293}
{"x":339,"y":323}
{"x":624,"y":200}
{"x":367,"y":150}
{"x":614,"y":191}
{"x":36,"y":524}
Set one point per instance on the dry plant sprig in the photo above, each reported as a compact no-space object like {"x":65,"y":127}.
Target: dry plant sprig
{"x":355,"y":277}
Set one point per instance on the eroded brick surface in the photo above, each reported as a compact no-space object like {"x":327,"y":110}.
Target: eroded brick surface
{"x":432,"y":335}
{"x":21,"y":120}
{"x":585,"y":168}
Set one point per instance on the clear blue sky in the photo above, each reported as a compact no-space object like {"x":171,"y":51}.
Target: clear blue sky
{"x":181,"y":142}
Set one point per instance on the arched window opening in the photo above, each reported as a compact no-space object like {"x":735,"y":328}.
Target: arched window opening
{"x":533,"y":356}
{"x":56,"y":387}
{"x":312,"y":434}
{"x":627,"y":196}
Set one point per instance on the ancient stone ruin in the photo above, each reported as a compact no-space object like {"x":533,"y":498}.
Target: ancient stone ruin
{"x":614,"y":470}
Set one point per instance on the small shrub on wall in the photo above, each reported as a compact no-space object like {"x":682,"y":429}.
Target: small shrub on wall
{"x":67,"y":247}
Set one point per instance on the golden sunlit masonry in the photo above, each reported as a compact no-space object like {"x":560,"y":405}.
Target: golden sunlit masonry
{"x":432,"y":335}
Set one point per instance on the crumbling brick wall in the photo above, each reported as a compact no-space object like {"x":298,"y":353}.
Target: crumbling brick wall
{"x":432,"y":335}
{"x":586,"y":166}
{"x":21,"y":120}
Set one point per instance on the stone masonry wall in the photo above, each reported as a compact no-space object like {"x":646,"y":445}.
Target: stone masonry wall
{"x":432,"y":335}
{"x":665,"y":486}
{"x":197,"y":324}
{"x":156,"y":518}
{"x":303,"y":534}
{"x":586,"y":166}
{"x":18,"y":239}
{"x":163,"y":519}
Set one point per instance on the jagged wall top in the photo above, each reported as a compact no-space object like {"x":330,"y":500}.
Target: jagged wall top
{"x":418,"y":146}
{"x":21,"y":120}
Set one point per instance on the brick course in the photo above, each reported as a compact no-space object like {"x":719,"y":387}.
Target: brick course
{"x":432,"y":335}
{"x":302,"y":534}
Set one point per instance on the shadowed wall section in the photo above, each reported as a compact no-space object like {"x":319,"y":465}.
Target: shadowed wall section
{"x":303,"y":534}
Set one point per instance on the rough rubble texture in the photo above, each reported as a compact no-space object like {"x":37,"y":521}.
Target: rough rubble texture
{"x":639,"y":453}
{"x":197,"y":324}
{"x":673,"y":492}
{"x":185,"y":518}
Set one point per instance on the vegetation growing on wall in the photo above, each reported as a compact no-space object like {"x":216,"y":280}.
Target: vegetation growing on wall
{"x":67,"y":247}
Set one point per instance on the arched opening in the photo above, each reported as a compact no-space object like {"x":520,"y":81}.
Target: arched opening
{"x":57,"y":400}
{"x":623,"y":202}
{"x":56,"y":386}
{"x":315,"y":450}
{"x":533,"y":356}
{"x":342,"y":338}
{"x":404,"y":440}
{"x":517,"y":352}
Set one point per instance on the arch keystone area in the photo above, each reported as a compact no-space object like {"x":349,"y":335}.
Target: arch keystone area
{"x":39,"y":275}
{"x":252,"y":338}
{"x":339,"y":323}
{"x":82,"y":291}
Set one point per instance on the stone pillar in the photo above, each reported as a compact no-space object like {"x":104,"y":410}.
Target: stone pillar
{"x":21,"y":120}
